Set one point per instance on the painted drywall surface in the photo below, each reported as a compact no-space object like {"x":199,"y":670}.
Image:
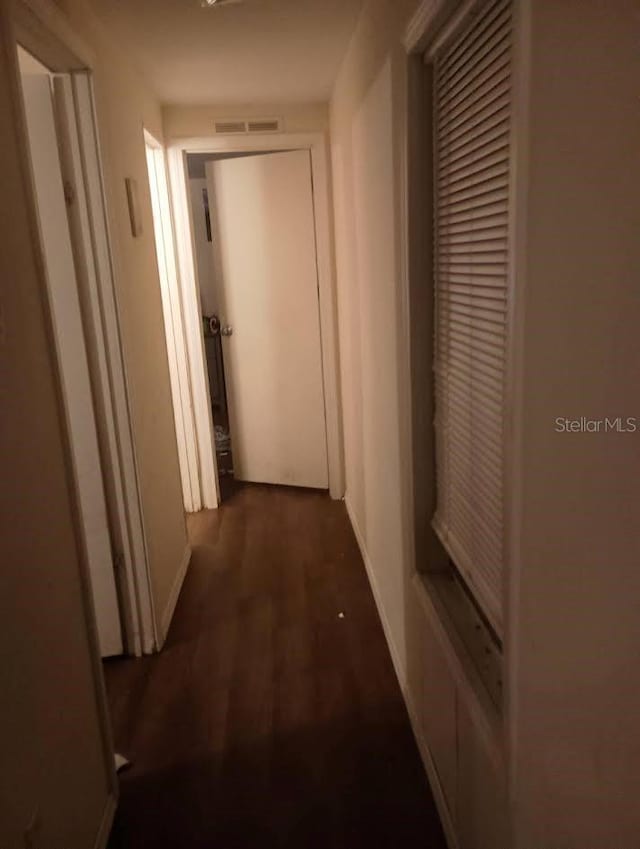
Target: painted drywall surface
{"x":366,"y":158}
{"x":574,"y":626}
{"x":194,"y":121}
{"x":575,"y":690}
{"x":380,"y":504}
{"x":124,"y":105}
{"x":50,"y":738}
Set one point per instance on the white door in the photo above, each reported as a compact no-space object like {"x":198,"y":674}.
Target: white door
{"x":263,"y":238}
{"x":72,"y":354}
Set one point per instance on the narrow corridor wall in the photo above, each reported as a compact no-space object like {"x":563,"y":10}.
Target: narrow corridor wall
{"x":575,"y":505}
{"x":50,"y":734}
{"x":366,"y":111}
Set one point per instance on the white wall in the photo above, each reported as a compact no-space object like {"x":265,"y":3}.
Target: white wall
{"x":575,"y":688}
{"x":574,"y":625}
{"x":366,"y":150}
{"x":377,"y":504}
{"x":50,"y":735}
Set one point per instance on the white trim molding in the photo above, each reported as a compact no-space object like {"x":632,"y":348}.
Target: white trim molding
{"x":173,"y":325}
{"x":420,"y":23}
{"x":199,"y":423}
{"x":40,"y":27}
{"x":315,"y":143}
{"x":377,"y":595}
{"x":140,"y":622}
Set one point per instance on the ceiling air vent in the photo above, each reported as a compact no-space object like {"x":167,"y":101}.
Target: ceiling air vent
{"x":263,"y":125}
{"x":253,"y":125}
{"x":231,"y":127}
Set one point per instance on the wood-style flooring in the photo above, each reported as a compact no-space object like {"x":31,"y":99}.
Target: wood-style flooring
{"x":272,"y":719}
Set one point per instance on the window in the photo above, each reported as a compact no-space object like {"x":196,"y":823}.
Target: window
{"x":472,"y":103}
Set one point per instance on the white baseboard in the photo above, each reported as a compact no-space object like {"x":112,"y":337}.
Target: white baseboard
{"x":167,"y":616}
{"x":395,"y":657}
{"x":423,"y":748}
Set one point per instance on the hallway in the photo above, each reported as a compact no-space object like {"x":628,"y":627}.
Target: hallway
{"x":270,"y":720}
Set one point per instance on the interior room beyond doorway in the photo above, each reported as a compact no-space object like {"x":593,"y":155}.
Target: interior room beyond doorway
{"x":255,"y":252}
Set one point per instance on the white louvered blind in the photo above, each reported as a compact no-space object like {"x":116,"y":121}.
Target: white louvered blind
{"x":472,"y":97}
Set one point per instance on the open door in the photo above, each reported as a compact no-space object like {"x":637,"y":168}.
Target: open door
{"x":71,"y":348}
{"x":266,"y":276}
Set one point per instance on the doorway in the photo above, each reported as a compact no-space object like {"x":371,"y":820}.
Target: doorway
{"x":67,"y":188}
{"x":205,"y":260}
{"x":52,"y":197}
{"x":255,"y":261}
{"x":253,"y":231}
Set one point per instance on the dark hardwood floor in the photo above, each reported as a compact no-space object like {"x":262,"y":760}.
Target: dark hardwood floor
{"x":270,"y":721}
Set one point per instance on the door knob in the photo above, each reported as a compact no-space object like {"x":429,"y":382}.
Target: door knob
{"x":227,"y":330}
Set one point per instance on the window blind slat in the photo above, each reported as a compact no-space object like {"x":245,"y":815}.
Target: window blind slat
{"x":478,"y":201}
{"x":493,"y":354}
{"x":477,"y":449}
{"x":487,"y":235}
{"x":485,"y":179}
{"x":475,"y":137}
{"x":465,"y":326}
{"x":479,"y":354}
{"x":481,"y":537}
{"x":459,"y":307}
{"x":474,"y":121}
{"x":472,"y":97}
{"x":493,"y":93}
{"x":488,"y":506}
{"x":487,"y":143}
{"x":491,"y":337}
{"x":494,"y":65}
{"x":490,"y":450}
{"x":475,"y":172}
{"x":487,"y":184}
{"x":460,"y":59}
{"x":470,"y":289}
{"x":485,"y":441}
{"x":459,"y":384}
{"x":484,"y":263}
{"x":485,"y":425}
{"x":489,"y":414}
{"x":475,"y":216}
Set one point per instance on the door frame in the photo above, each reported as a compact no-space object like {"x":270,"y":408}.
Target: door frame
{"x":315,"y":143}
{"x":42,"y":30}
{"x":173,"y":324}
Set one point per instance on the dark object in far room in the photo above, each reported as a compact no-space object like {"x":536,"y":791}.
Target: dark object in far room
{"x":207,"y":216}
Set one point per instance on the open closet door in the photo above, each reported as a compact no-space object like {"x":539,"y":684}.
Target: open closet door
{"x":72,"y":354}
{"x":263,"y":238}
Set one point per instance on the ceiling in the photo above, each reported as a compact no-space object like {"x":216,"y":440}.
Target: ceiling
{"x":251,"y":52}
